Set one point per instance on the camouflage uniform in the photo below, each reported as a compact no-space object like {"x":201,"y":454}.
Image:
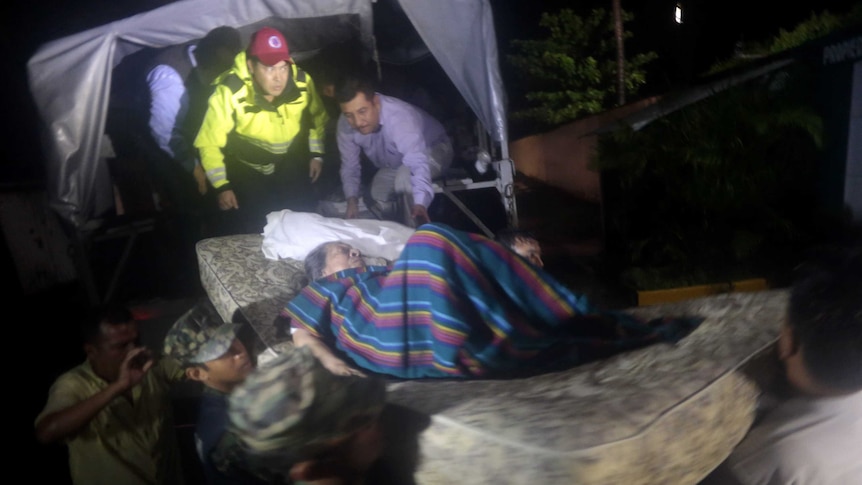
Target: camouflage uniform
{"x":292,"y":410}
{"x":199,"y":335}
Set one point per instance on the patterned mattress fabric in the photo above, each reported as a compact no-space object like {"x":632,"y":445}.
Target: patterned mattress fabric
{"x":245,"y":286}
{"x":659,"y":415}
{"x":665,"y":414}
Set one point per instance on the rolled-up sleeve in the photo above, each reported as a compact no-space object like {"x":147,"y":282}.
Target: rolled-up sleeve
{"x":410,"y":140}
{"x":351,"y":171}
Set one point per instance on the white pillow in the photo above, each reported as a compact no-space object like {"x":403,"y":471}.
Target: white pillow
{"x":289,"y":234}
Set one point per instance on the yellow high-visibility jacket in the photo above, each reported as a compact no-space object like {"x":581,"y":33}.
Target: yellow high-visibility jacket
{"x":241,"y":124}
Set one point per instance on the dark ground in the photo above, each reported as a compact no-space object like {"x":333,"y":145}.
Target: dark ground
{"x":161,"y":281}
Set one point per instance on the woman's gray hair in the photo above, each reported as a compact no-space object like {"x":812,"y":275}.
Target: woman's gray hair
{"x":315,"y":262}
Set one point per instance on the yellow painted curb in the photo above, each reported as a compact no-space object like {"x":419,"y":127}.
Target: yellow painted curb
{"x":652,"y":297}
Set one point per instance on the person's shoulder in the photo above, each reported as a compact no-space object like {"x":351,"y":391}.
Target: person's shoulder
{"x":231,"y":85}
{"x":399,"y":116}
{"x":167,"y":369}
{"x":79,"y":374}
{"x":71,"y":387}
{"x":230,"y":457}
{"x":794,"y":462}
{"x":396,"y":105}
{"x":301,"y":76}
{"x":212,"y":418}
{"x":234,"y":83}
{"x":164,"y":73}
{"x":343,"y":128}
{"x":334,"y":285}
{"x":799,"y":440}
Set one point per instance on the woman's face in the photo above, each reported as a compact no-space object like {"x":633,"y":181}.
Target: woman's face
{"x":341,"y":256}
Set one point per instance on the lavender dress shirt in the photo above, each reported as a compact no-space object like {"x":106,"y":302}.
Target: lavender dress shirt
{"x":405,"y":136}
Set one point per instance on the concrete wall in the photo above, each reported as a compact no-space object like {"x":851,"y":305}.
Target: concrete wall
{"x":562,"y":157}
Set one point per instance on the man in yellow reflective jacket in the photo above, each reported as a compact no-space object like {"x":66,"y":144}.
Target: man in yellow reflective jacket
{"x":250,"y":140}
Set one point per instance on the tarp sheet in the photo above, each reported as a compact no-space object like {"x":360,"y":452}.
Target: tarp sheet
{"x":70,"y":78}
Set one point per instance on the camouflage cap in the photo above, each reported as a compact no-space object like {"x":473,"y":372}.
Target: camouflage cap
{"x":199,"y":335}
{"x":294,"y":407}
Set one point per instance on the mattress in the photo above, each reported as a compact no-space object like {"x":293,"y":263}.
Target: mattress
{"x":246,"y":287}
{"x":668,"y":413}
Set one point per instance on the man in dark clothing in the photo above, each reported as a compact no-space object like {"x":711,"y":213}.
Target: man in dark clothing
{"x":180,"y":81}
{"x":210,"y":353}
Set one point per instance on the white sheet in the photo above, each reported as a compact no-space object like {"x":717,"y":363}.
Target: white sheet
{"x":289,"y":234}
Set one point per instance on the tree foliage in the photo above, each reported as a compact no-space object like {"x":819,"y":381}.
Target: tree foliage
{"x":718,"y":190}
{"x":815,"y":27}
{"x":572,"y":71}
{"x":725,"y":188}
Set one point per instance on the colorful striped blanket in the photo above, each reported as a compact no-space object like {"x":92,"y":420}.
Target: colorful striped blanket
{"x":457,"y":304}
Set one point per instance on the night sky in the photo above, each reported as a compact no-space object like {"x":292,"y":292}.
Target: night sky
{"x":710,"y":31}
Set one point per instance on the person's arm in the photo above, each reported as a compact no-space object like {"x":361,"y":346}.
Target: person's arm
{"x":170,"y":368}
{"x":410,"y":141}
{"x":319,"y":120}
{"x":166,"y":92}
{"x":304,"y":338}
{"x":212,"y":136}
{"x":169,"y":105}
{"x":200,"y":177}
{"x":67,"y":422}
{"x":351,"y":171}
{"x":317,"y":133}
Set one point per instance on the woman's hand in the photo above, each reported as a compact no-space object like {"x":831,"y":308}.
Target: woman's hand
{"x":339,"y":367}
{"x":304,"y":338}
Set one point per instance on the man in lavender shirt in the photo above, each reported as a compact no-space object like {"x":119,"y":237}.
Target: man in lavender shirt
{"x":408,"y":147}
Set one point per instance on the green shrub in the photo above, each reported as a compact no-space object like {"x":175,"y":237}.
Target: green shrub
{"x":720,"y":190}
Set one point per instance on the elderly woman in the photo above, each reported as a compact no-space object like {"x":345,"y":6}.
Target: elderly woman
{"x":454,"y":304}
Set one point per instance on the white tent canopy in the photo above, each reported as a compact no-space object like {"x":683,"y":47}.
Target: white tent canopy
{"x":70,"y":78}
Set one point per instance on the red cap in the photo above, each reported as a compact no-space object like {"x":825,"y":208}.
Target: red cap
{"x":269,"y":47}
